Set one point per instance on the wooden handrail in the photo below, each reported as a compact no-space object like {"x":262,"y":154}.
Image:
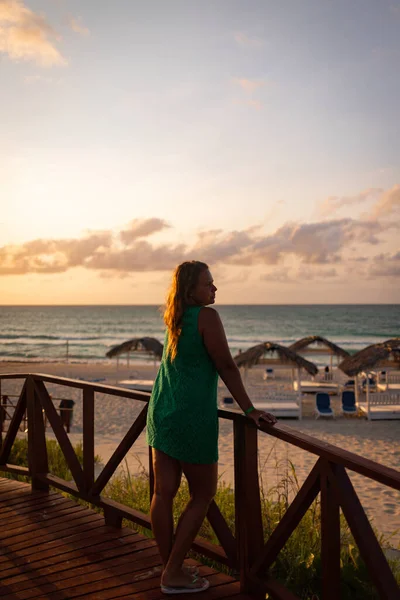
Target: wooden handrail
{"x":246,"y":551}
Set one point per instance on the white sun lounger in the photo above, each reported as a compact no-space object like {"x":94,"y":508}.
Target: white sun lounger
{"x":142,"y":385}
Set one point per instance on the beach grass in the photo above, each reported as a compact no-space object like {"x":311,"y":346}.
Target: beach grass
{"x":298,"y":565}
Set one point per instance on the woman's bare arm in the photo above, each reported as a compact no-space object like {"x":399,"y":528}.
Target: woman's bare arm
{"x":212,"y":330}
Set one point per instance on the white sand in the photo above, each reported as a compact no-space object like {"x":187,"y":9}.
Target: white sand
{"x":377,"y":440}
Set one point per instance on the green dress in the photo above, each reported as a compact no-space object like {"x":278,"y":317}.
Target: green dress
{"x":182,"y":419}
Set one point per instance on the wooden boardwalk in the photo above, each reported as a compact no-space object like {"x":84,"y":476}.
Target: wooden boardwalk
{"x":53,"y":548}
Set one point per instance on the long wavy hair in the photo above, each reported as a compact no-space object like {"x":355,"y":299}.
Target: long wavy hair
{"x":184,"y":280}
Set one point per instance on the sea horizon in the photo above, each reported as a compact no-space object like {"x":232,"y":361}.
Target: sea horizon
{"x":87,"y":332}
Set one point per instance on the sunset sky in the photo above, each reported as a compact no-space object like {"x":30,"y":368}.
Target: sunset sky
{"x":260,"y":136}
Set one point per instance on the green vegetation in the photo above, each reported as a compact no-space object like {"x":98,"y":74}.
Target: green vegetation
{"x":57,"y":462}
{"x":299,"y":563}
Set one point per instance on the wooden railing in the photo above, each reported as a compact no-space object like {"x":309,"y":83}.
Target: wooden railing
{"x":245,"y":550}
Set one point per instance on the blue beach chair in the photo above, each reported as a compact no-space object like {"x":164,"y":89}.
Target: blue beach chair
{"x":323,"y":405}
{"x":349,"y":403}
{"x":268,"y":374}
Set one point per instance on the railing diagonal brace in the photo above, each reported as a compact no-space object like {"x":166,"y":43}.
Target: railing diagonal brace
{"x":222,"y":531}
{"x":364,"y":535}
{"x":14,"y":426}
{"x":60,"y":433}
{"x":297,"y":509}
{"x":120,"y":453}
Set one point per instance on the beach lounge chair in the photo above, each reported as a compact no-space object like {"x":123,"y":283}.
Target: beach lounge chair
{"x":323,"y":405}
{"x":349,"y":384}
{"x":349,"y":403}
{"x":269,"y":374}
{"x":227,"y":402}
{"x":372,"y":384}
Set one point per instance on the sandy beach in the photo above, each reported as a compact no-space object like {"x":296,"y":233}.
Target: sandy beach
{"x":377,"y":440}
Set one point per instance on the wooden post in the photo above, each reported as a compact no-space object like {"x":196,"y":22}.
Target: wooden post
{"x":368,"y":399}
{"x":330,"y":535}
{"x":248,"y":519}
{"x":37,"y":451}
{"x":88,"y":438}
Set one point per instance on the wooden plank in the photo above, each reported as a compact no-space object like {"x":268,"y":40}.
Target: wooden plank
{"x":42,"y":523}
{"x":23,"y":531}
{"x":27,"y":509}
{"x":13,"y":427}
{"x":370,"y":550}
{"x":106,"y":578}
{"x":64,"y":575}
{"x":88,"y":437}
{"x":330,"y":536}
{"x":292,"y":517}
{"x":120,"y":453}
{"x":24,"y":471}
{"x":29,"y":546}
{"x":222,"y":531}
{"x":13,"y":497}
{"x":127,"y":543}
{"x":61,"y":435}
{"x":147,"y":588}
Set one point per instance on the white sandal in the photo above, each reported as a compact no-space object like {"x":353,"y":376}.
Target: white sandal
{"x":166,"y":589}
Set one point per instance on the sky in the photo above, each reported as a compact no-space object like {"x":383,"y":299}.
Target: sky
{"x":261,"y":137}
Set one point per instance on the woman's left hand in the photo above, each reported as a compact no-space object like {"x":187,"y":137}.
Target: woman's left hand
{"x":260,"y":415}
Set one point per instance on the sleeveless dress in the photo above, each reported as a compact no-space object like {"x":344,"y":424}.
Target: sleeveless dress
{"x":182,"y":418}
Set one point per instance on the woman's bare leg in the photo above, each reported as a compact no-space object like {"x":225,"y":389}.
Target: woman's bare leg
{"x":167,"y":478}
{"x":202,"y":481}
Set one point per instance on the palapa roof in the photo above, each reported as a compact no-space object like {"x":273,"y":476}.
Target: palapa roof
{"x":285,"y":356}
{"x":385,"y":354}
{"x":143,"y":344}
{"x":316,"y":339}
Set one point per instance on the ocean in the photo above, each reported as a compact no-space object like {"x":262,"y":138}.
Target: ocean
{"x":37,"y":333}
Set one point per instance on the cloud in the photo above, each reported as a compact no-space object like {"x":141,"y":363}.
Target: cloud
{"x":387,"y":205}
{"x":248,"y":85}
{"x":313,"y":243}
{"x":280,"y":275}
{"x":141,"y":228}
{"x":76,"y":25}
{"x":333,"y":203}
{"x":51,"y":256}
{"x":246,"y":41}
{"x":385,"y":265}
{"x":25,"y":35}
{"x":305,"y":245}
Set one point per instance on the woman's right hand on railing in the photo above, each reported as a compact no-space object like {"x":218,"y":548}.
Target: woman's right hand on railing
{"x":259,"y":416}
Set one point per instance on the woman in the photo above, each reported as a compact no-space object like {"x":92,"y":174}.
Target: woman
{"x":182,"y":421}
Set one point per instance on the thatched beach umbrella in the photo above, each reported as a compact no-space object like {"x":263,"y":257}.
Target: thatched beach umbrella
{"x":324,"y":346}
{"x":270,"y":353}
{"x":146,"y":345}
{"x":377,"y":356}
{"x":273,"y":354}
